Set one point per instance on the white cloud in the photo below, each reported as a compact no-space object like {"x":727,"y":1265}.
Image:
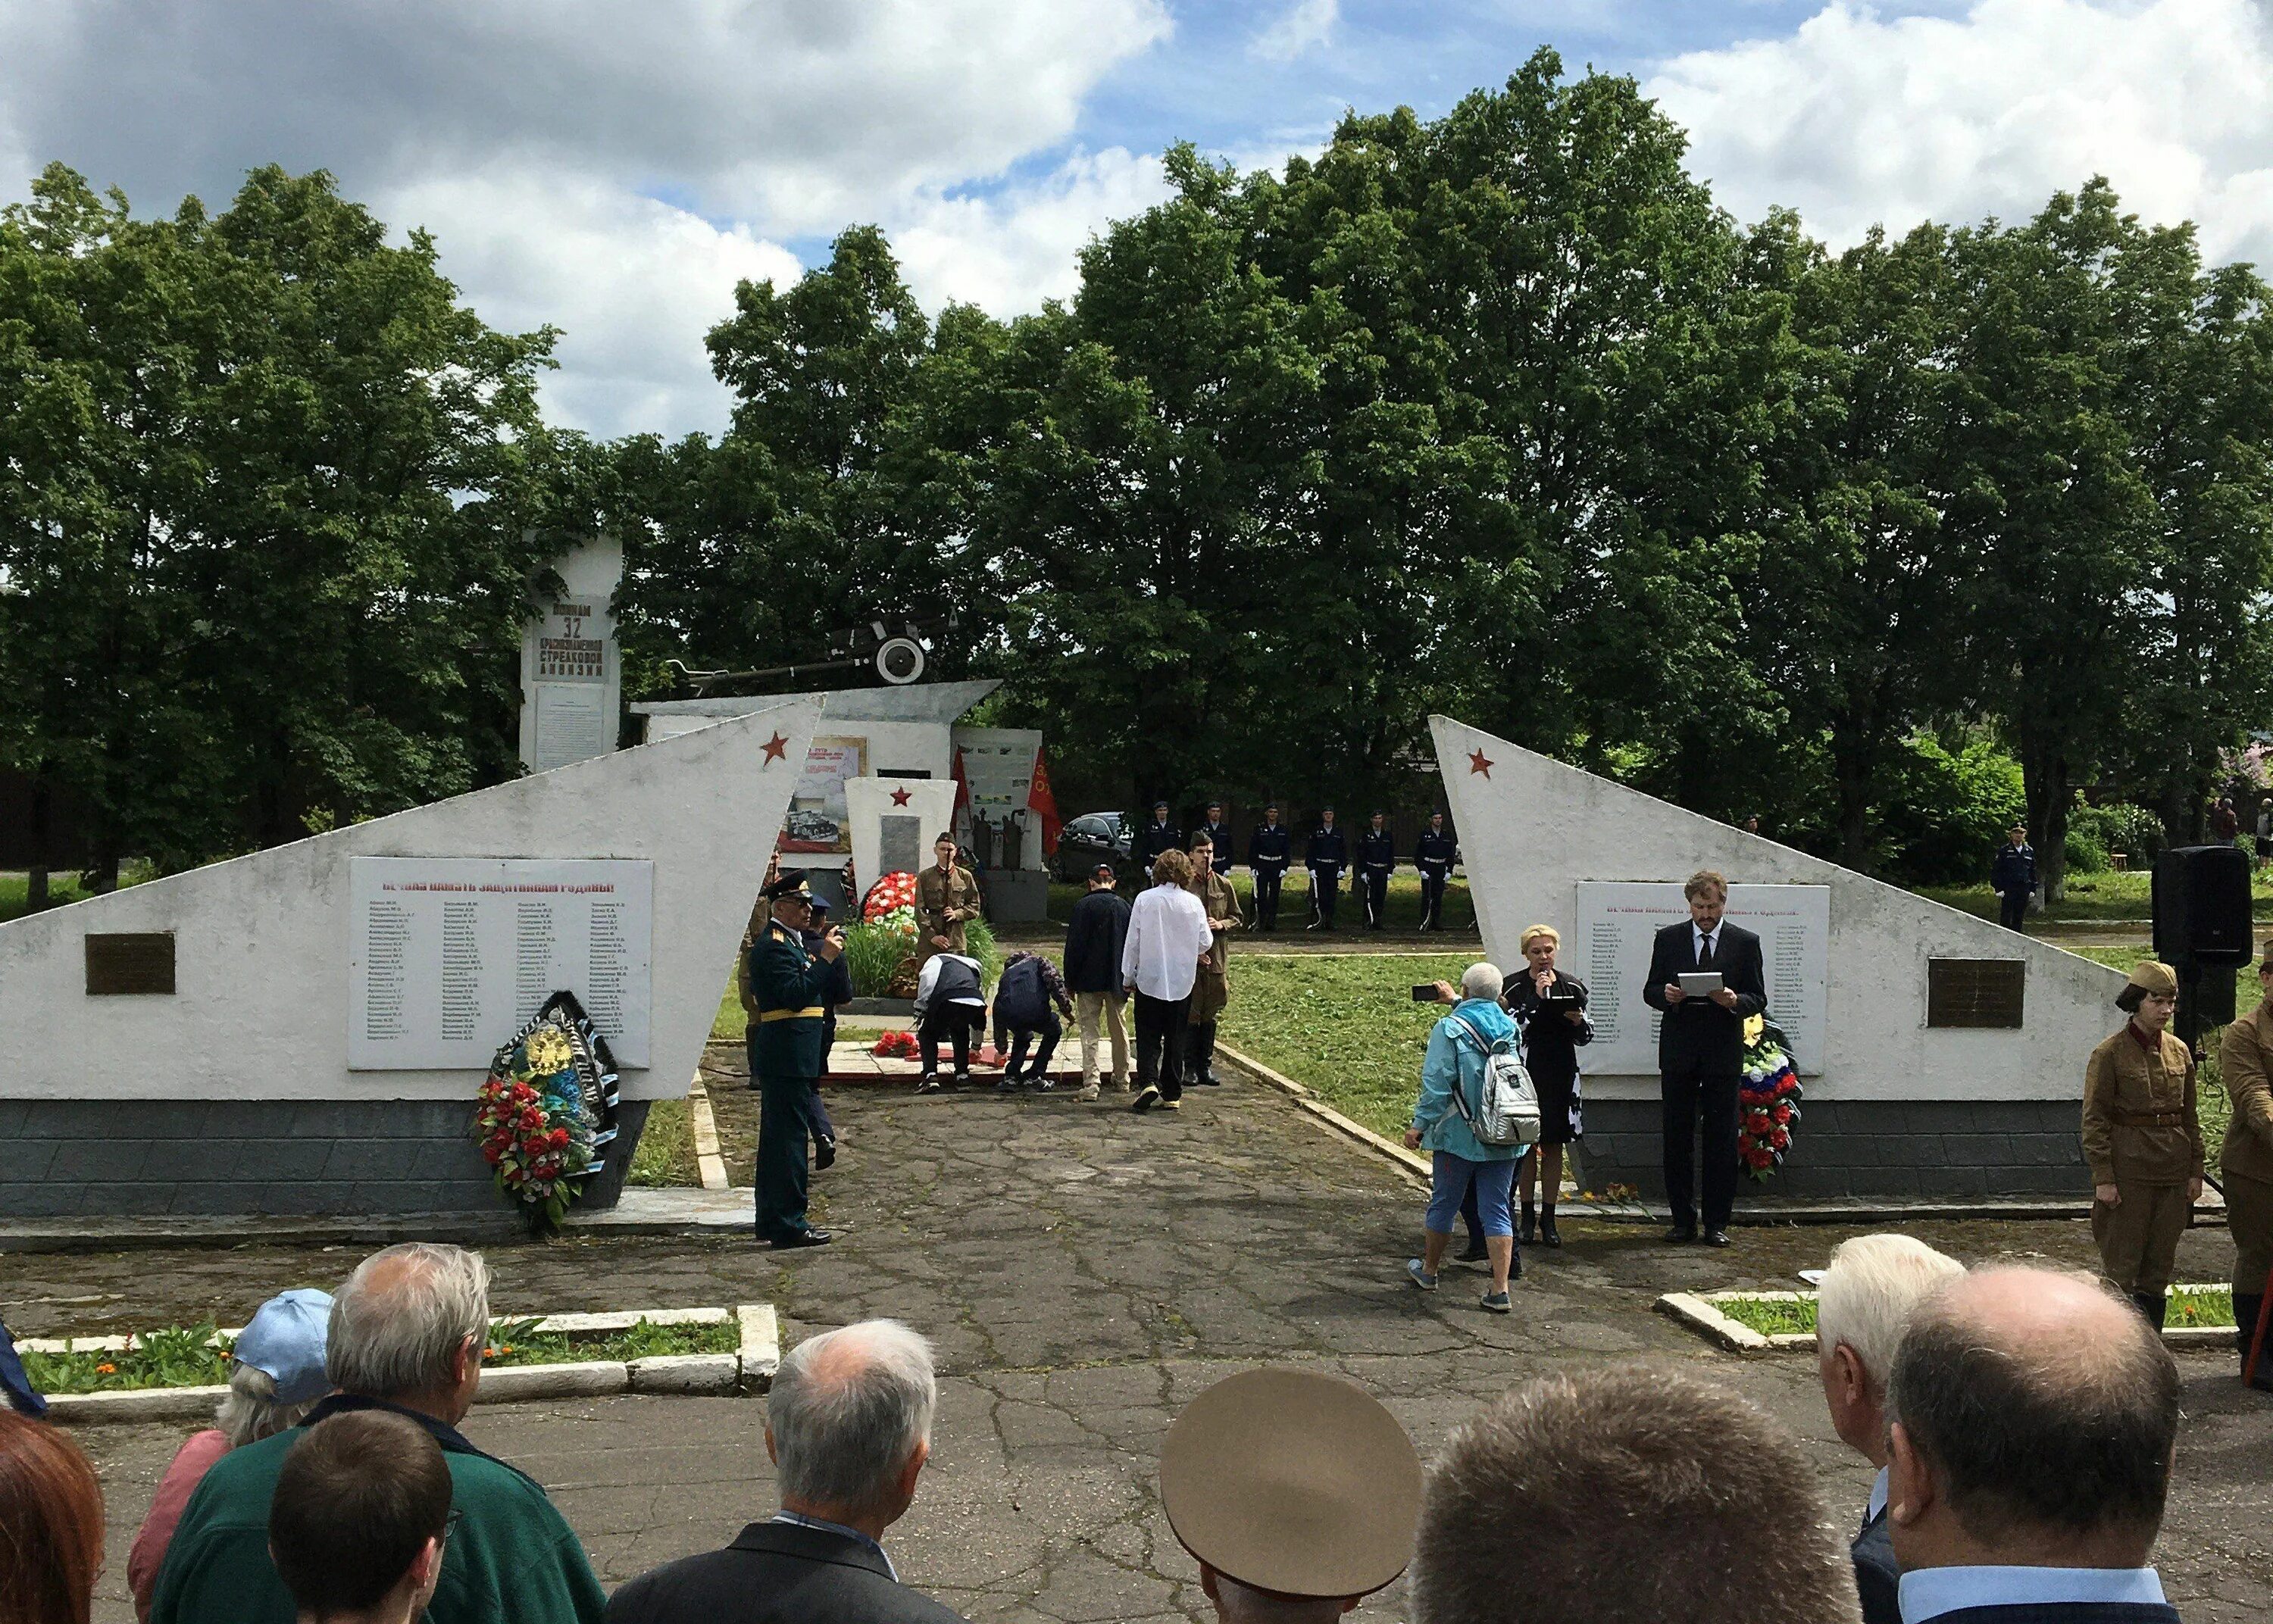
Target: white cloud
{"x":1858,"y":119}
{"x":1009,"y":251}
{"x":1303,"y":27}
{"x":633,"y":284}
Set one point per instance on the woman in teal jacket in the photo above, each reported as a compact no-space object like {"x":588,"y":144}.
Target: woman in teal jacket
{"x":1456,"y":1060}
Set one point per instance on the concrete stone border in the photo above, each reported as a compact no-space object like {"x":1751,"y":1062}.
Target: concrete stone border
{"x":1699,"y":1311}
{"x":750,"y":1369}
{"x":709,"y":1162}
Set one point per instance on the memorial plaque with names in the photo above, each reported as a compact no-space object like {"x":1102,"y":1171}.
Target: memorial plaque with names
{"x":129,"y":962}
{"x":449,"y":956}
{"x":1976,"y":992}
{"x":1617,"y":921}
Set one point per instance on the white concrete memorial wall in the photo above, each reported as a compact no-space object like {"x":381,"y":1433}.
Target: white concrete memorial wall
{"x":1899,"y":1100}
{"x":239,"y":1089}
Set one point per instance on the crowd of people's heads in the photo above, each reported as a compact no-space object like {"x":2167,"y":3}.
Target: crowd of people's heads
{"x":2027,"y":1417}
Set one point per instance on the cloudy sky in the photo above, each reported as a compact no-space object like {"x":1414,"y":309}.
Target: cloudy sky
{"x":612,"y":166}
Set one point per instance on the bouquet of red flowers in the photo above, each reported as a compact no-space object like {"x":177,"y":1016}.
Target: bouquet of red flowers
{"x":897,"y":1045}
{"x":546,"y":1110}
{"x":1767,"y":1102}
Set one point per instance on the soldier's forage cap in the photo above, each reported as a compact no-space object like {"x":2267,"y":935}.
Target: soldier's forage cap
{"x":1159,"y":806}
{"x":790,"y":884}
{"x":1102,"y":871}
{"x":286,"y":1342}
{"x":2156,"y":978}
{"x":1293,"y":1482}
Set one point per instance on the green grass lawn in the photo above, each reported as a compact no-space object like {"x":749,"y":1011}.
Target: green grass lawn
{"x":2125,"y":894}
{"x":1346,"y":1028}
{"x":666,"y":1148}
{"x":1775,"y":1316}
{"x":195,"y":1355}
{"x":60,"y":889}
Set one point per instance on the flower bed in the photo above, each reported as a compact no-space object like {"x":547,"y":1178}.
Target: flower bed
{"x":1756,"y":1321}
{"x":197,"y":1356}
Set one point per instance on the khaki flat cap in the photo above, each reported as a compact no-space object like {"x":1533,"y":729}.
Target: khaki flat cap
{"x":1294,"y":1483}
{"x":2155,"y":978}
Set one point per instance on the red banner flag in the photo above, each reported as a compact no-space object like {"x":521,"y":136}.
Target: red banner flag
{"x":1044,"y":805}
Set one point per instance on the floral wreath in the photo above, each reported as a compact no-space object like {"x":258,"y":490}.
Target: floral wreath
{"x":1767,"y":1107}
{"x":547,"y":1110}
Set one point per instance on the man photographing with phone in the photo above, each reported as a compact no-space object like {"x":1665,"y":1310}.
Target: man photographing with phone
{"x":1706,"y":978}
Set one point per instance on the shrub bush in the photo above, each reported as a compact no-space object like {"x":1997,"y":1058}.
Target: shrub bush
{"x":872,"y":951}
{"x":1945,"y":812}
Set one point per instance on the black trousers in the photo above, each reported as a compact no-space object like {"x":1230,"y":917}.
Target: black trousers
{"x":1432,"y":901}
{"x":1045,"y":1039}
{"x":1199,"y":1050}
{"x":955,"y":1022}
{"x":2012,"y":909}
{"x":1160,"y":1025}
{"x":1695,"y":1097}
{"x":1373,"y":886}
{"x":1326,"y":891}
{"x":1267,"y":882}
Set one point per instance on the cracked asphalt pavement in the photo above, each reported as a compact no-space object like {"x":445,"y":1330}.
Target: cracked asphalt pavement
{"x":1085,"y":1272}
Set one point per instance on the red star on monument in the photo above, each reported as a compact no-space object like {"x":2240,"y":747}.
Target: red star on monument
{"x":1478,"y":762}
{"x":777,"y":748}
{"x":899,"y":797}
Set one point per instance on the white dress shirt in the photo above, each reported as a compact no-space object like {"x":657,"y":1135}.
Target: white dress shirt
{"x":1929,"y":1593}
{"x":1168,"y":935}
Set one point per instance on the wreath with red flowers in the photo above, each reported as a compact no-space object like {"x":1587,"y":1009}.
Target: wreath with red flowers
{"x":546,"y":1112}
{"x":1767,"y":1103}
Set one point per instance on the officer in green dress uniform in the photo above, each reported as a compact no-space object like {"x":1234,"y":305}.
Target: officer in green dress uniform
{"x":787,"y":985}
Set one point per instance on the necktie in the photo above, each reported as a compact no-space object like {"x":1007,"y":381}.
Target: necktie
{"x":1705,"y":957}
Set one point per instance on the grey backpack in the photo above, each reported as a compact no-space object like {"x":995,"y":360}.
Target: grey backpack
{"x":1511,"y":1103}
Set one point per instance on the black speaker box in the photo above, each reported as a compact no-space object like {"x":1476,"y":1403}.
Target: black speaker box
{"x":2202,"y":905}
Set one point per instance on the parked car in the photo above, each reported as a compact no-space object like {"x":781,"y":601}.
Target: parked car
{"x":1091,"y":839}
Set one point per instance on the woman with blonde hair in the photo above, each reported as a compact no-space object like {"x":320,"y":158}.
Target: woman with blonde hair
{"x":1550,"y":1007}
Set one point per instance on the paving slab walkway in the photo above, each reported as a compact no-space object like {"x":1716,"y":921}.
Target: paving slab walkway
{"x":1084,"y":1272}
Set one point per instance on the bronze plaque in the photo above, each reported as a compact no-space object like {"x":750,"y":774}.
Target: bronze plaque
{"x":130,"y":961}
{"x":1981,"y":992}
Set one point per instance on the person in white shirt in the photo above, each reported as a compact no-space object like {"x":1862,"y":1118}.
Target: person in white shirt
{"x":1862,"y":1308}
{"x":1168,"y":936}
{"x":2035,"y":1417}
{"x":950,"y":1003}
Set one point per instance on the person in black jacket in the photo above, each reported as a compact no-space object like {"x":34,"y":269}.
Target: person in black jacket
{"x":1095,"y":935}
{"x":2013,"y":876}
{"x":1549,"y":1007}
{"x":1158,"y":836}
{"x":848,"y":1425}
{"x":836,"y":990}
{"x":1700,"y":1051}
{"x":1218,"y":834}
{"x":1270,"y":852}
{"x":1432,"y":854}
{"x":1325,"y":855}
{"x":1376,"y":855}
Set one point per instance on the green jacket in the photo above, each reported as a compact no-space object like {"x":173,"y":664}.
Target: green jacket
{"x":786,"y":983}
{"x":512,"y":1559}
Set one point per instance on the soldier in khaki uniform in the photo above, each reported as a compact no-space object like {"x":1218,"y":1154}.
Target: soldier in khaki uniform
{"x":2142,"y":1141}
{"x":946,"y":895}
{"x":2245,"y":1060}
{"x":1212,"y":991}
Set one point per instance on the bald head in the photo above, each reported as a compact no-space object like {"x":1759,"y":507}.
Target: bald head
{"x":849,"y":1409}
{"x":2041,"y":1409}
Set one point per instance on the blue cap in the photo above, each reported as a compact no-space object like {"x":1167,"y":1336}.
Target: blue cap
{"x":285,"y":1342}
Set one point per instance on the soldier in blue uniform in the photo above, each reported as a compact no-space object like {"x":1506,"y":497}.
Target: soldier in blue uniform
{"x":789,"y":986}
{"x":1218,"y":834}
{"x":1376,"y":855}
{"x":1156,"y":837}
{"x":2013,"y":876}
{"x":1325,"y":855}
{"x":838,"y":990}
{"x":1270,"y":851}
{"x":1432,"y":854}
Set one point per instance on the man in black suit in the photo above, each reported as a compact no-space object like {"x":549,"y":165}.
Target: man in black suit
{"x":2030,"y":1461}
{"x":1218,"y":833}
{"x":1700,"y":1051}
{"x":848,"y":1425}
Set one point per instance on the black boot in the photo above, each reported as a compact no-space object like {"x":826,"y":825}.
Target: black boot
{"x":1546,"y":1235}
{"x":1477,"y":1253}
{"x":2247,"y":1306}
{"x":2152,"y":1308}
{"x":1529,"y":1230}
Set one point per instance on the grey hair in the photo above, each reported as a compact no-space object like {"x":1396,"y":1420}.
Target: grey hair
{"x":398,"y":1321}
{"x":848,"y":1407}
{"x":1869,"y":1291}
{"x":249,"y":1413}
{"x":1482,"y":980}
